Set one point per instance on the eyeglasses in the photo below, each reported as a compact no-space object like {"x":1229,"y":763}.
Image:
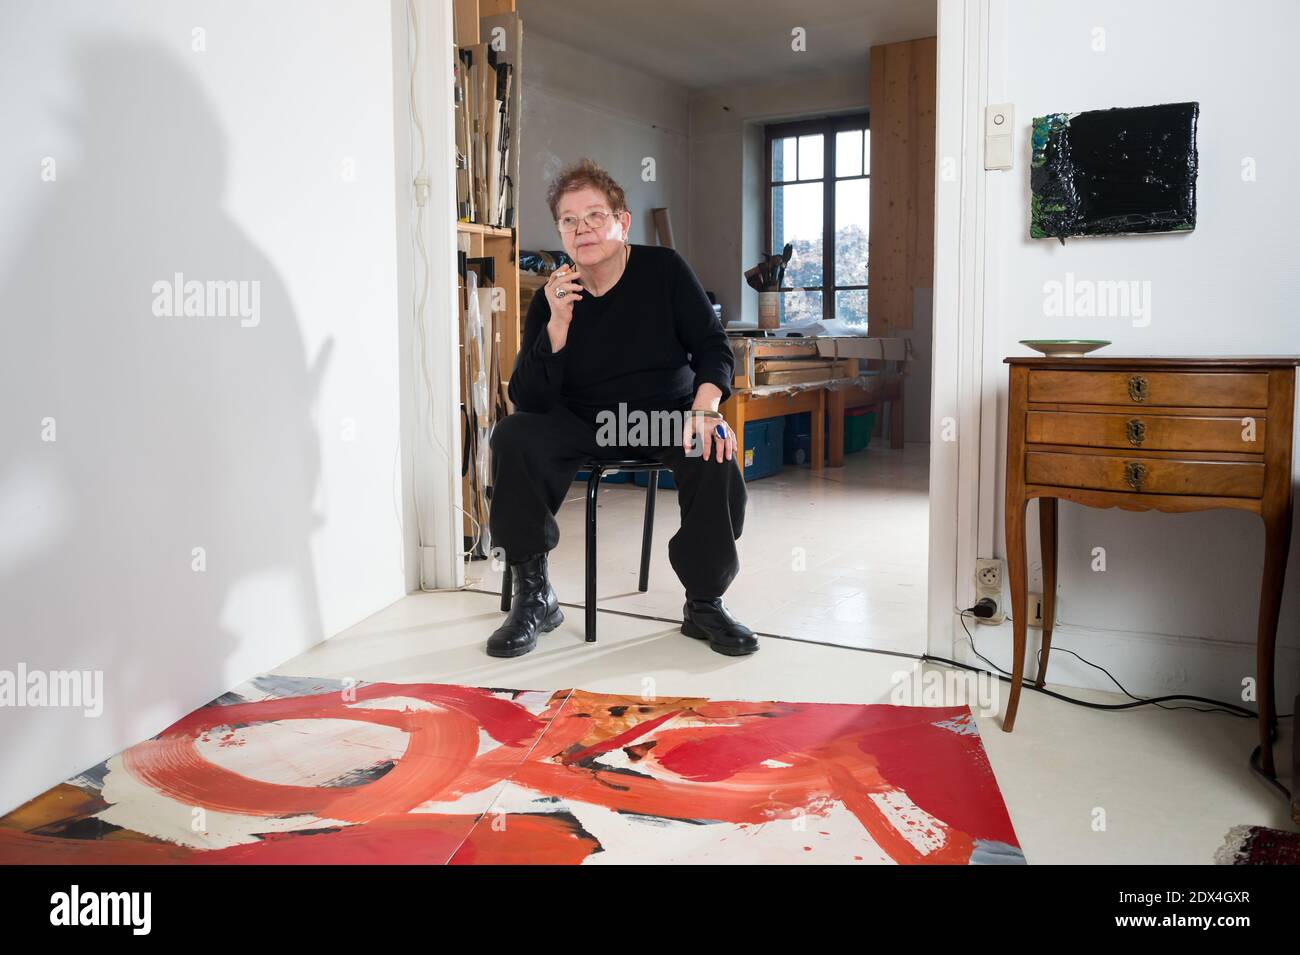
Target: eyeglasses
{"x":595,"y":220}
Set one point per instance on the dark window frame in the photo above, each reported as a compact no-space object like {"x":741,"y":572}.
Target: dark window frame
{"x":828,"y":126}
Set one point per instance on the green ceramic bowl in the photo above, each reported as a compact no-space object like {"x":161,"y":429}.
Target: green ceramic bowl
{"x":1064,"y":347}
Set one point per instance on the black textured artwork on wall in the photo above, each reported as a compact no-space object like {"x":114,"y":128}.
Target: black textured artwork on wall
{"x":1114,"y":171}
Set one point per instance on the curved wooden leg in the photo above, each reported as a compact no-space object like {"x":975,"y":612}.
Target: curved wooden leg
{"x":1019,"y":598}
{"x":1047,"y":543}
{"x":1277,"y":540}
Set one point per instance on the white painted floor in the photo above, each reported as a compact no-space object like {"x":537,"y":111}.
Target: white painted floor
{"x":1082,"y":786}
{"x":837,"y":556}
{"x":1170,"y":783}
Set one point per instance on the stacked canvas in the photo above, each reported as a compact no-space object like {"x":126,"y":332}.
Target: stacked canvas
{"x":482,"y":390}
{"x":486,"y":105}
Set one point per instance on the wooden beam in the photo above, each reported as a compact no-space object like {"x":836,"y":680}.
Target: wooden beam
{"x":465,"y":22}
{"x":901,"y":78}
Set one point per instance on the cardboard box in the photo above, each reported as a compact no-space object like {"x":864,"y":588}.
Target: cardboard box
{"x":877,"y":349}
{"x":810,"y":371}
{"x":870,"y":354}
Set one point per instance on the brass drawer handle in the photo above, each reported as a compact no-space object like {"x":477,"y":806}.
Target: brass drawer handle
{"x":1137,"y":431}
{"x":1135,"y":474}
{"x":1138,"y":388}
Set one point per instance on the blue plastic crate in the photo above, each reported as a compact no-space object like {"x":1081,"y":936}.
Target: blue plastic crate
{"x":797,"y":444}
{"x":797,"y":448}
{"x":764,"y":447}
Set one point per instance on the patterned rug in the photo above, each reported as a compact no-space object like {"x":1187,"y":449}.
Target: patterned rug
{"x":1258,"y":845}
{"x":303,"y":770}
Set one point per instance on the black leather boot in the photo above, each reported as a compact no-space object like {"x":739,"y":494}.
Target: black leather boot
{"x":710,"y":620}
{"x":534,"y":609}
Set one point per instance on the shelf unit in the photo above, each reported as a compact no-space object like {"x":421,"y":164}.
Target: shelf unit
{"x":476,"y":22}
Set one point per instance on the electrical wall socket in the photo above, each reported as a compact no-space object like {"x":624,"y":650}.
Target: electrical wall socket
{"x":1034,"y":612}
{"x":988,"y":583}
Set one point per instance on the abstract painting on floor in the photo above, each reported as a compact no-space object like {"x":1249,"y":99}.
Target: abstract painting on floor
{"x":1114,"y":172}
{"x":316,"y":771}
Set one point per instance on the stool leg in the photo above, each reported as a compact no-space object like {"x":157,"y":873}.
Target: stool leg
{"x":593,"y":486}
{"x":648,"y":532}
{"x":506,"y":585}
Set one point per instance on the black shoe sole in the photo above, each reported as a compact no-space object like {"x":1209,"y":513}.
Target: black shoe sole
{"x":549,"y":624}
{"x":696,"y":632}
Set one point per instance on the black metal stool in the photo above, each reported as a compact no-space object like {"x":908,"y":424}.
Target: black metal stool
{"x":597,"y":470}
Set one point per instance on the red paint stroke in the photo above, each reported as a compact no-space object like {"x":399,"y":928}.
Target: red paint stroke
{"x":416,"y":838}
{"x":771,"y":730}
{"x":955,"y":850}
{"x":441,"y":744}
{"x":829,"y":752}
{"x":922,"y":762}
{"x":504,"y":720}
{"x":623,"y":738}
{"x":736,"y":762}
{"x":526,"y":839}
{"x":26,"y":848}
{"x":754,"y":796}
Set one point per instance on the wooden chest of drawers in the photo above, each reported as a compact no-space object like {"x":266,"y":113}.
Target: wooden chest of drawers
{"x":1169,"y":434}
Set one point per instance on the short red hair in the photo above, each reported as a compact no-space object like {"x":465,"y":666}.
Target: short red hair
{"x":581,"y":174}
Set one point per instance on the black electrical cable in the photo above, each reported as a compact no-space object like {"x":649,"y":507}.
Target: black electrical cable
{"x":1216,"y":706}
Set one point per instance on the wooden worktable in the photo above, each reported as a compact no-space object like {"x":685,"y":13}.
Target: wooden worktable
{"x":819,"y":398}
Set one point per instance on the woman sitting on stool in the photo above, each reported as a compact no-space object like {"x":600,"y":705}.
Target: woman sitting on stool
{"x":626,"y":331}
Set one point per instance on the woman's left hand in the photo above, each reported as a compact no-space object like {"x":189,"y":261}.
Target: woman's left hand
{"x":701,"y":428}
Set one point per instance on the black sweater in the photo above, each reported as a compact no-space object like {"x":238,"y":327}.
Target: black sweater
{"x":649,"y":341}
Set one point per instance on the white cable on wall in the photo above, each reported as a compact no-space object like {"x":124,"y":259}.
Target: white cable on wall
{"x":420,"y":289}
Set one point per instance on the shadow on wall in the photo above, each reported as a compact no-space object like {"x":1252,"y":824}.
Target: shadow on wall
{"x":171,"y":430}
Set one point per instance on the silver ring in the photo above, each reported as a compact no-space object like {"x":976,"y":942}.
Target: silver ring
{"x":561,"y":293}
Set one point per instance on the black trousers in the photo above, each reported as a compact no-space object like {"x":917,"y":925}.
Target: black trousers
{"x":535,"y":457}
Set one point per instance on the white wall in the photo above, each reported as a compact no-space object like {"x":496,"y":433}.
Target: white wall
{"x":1175,"y":610}
{"x":578,"y":104}
{"x":274,"y":447}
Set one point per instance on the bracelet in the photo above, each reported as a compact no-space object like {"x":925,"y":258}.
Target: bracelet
{"x":705,"y":413}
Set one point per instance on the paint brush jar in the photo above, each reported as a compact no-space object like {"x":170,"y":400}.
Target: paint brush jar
{"x":769,"y":309}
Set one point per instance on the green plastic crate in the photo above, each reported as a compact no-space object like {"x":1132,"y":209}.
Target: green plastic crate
{"x":858,"y":428}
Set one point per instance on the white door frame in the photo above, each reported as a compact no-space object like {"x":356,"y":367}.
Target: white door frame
{"x":430,"y":369}
{"x":964,"y":393}
{"x":965,"y":388}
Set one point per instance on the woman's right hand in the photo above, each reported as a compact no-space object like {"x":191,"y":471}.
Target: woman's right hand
{"x":565,"y":277}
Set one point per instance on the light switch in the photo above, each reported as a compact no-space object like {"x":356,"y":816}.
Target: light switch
{"x":998,"y":134}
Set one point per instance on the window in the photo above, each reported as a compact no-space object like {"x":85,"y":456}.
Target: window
{"x":818,"y":200}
